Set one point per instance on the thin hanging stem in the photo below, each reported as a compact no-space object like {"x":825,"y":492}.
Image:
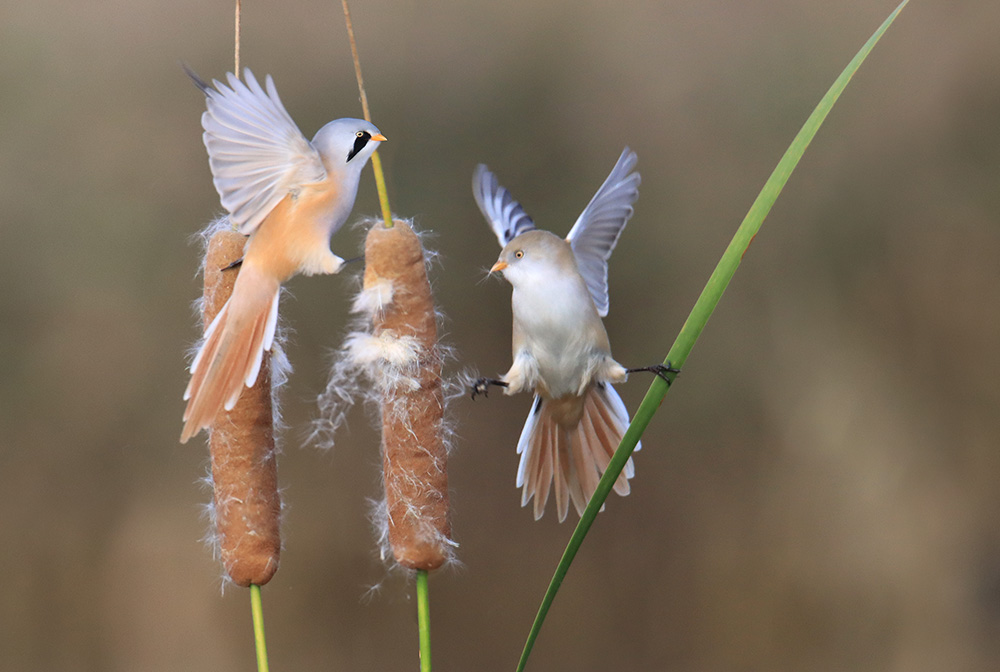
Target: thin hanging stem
{"x":256,"y":606}
{"x":357,"y":62}
{"x":236,"y":60}
{"x":383,"y":196}
{"x":260,"y":643}
{"x":236,"y":45}
{"x":424,"y":620}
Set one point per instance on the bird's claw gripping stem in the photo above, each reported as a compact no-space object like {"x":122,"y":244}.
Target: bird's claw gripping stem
{"x":659,"y":370}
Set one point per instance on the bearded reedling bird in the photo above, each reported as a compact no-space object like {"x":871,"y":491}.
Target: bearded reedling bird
{"x":289,"y":195}
{"x":560,"y":348}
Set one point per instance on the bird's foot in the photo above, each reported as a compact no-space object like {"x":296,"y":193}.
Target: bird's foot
{"x":659,"y":370}
{"x":482,"y":386}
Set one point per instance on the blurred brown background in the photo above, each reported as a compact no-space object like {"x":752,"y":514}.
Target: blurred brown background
{"x":820,"y":490}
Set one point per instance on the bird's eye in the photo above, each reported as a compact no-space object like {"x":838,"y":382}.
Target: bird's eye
{"x":360,"y":134}
{"x":519,"y":254}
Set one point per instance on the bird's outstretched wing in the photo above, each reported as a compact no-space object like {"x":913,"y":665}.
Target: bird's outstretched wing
{"x":505,"y":215}
{"x":256,"y":152}
{"x":596,"y":231}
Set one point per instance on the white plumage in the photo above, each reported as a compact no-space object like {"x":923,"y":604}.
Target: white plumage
{"x":560,"y":347}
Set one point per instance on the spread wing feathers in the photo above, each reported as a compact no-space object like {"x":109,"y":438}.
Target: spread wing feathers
{"x":231,"y":355}
{"x":505,"y":215}
{"x":596,"y":231}
{"x":256,"y":151}
{"x":569,"y":462}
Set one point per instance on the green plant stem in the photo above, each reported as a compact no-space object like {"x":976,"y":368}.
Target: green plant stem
{"x":697,"y":320}
{"x":424,"y":620}
{"x":257,"y":610}
{"x":383,"y":195}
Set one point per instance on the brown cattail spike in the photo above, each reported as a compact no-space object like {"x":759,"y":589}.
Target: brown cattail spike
{"x":414,"y":454}
{"x":244,"y":465}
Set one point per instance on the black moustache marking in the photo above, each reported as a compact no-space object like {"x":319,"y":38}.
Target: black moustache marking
{"x":359,"y":144}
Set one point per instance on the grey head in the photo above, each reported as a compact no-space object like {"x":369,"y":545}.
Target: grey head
{"x":347,"y":143}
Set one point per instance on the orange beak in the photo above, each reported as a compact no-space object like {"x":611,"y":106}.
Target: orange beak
{"x":499,"y":266}
{"x":379,"y":137}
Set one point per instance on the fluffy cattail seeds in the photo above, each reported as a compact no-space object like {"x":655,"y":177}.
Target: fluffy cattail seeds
{"x":247,"y":505}
{"x":397,"y":295}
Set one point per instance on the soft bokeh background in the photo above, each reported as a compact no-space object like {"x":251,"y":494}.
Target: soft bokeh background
{"x":819,"y":492}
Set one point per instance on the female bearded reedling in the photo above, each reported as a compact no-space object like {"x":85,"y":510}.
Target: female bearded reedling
{"x":289,"y":195}
{"x":560,"y":347}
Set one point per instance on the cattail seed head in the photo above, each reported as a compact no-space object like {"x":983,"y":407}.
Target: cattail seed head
{"x":414,"y":456}
{"x":247,"y":505}
{"x":398,"y":352}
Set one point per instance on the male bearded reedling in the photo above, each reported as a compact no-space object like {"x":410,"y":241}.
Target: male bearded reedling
{"x":289,"y":195}
{"x":560,"y":348}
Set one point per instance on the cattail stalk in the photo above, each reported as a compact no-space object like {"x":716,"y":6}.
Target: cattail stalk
{"x":237,"y":20}
{"x":260,"y":643}
{"x":247,"y":506}
{"x":424,"y":620}
{"x":414,"y":454}
{"x":383,"y":196}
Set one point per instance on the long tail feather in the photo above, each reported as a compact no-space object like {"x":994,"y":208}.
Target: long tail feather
{"x":230,"y":357}
{"x":565,"y":453}
{"x":543,"y":482}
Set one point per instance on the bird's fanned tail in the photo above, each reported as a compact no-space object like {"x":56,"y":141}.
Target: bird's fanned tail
{"x":230,"y":357}
{"x":565,"y":447}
